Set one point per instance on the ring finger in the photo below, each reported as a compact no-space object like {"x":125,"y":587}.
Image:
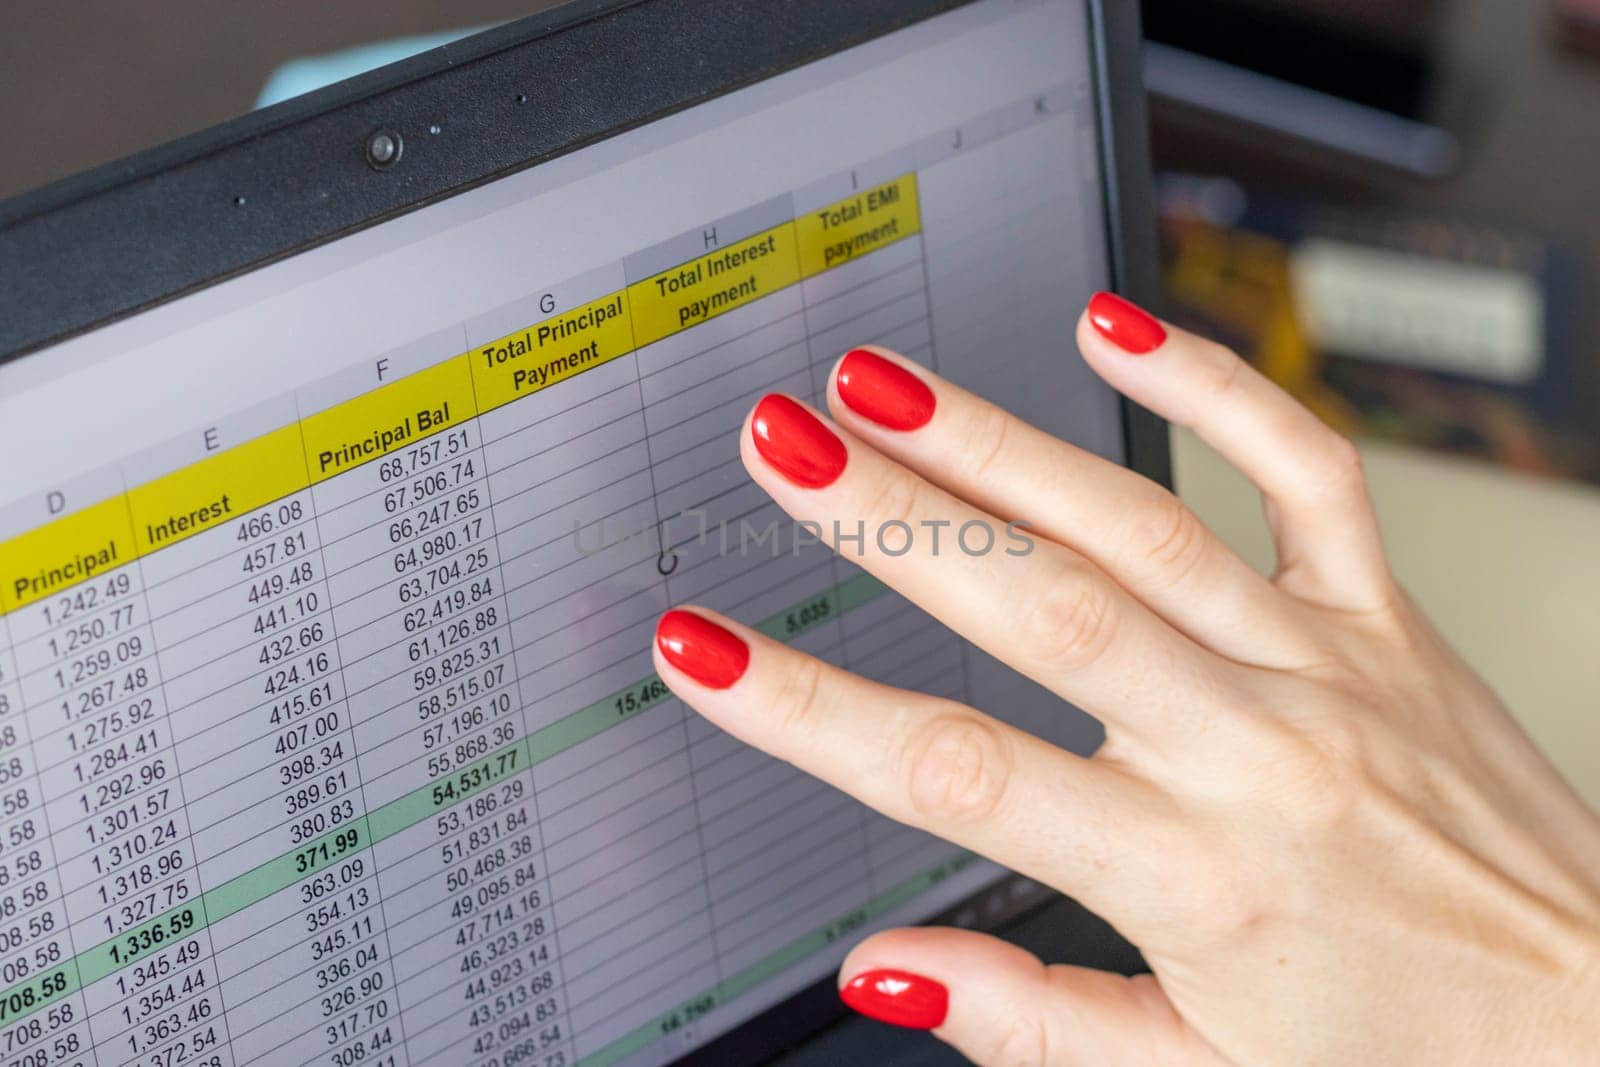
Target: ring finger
{"x":1137,"y":532}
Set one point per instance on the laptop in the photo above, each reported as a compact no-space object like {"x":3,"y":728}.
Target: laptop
{"x":352,"y":449}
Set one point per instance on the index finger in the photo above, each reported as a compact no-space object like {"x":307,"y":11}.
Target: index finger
{"x":1089,"y":828}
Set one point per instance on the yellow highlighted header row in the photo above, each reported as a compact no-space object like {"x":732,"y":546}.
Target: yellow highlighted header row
{"x":232,"y":484}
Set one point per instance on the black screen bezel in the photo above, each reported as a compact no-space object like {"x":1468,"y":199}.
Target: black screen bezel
{"x":115,"y":241}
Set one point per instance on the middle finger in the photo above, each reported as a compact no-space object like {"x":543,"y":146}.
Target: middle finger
{"x":1045,"y":610}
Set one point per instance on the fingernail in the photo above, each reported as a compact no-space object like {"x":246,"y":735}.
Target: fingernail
{"x":1126,"y":325}
{"x":898,"y":998}
{"x":884,"y":392}
{"x":797,"y":443}
{"x":706,"y":652}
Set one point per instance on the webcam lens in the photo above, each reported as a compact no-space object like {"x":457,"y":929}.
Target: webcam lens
{"x":383,"y":149}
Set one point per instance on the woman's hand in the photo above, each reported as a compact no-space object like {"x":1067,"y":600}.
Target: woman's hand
{"x":1327,"y":836}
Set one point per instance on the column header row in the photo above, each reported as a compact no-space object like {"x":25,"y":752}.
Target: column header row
{"x":73,"y":542}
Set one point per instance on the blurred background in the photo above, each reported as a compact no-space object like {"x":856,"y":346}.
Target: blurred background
{"x":1392,"y":209}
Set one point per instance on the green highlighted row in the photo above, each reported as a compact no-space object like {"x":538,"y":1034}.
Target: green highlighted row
{"x":771,"y":966}
{"x":398,"y":815}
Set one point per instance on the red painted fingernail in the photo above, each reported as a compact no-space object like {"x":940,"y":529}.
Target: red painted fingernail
{"x":898,"y":998}
{"x":1126,"y":325}
{"x":797,"y":443}
{"x":884,"y":392}
{"x":711,"y":655}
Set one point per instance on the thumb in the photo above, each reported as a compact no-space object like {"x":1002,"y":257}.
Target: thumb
{"x":1000,"y":1007}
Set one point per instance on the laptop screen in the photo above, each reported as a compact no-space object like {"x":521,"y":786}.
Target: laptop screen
{"x":328,"y":730}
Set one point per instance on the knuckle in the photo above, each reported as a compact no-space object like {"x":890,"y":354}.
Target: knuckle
{"x":1340,"y":469}
{"x":1219,"y":374}
{"x":1020,"y":1041}
{"x":1401,"y":625}
{"x":958,"y":769}
{"x":986,"y":441}
{"x":1208,"y":896}
{"x":1226,"y":903}
{"x":1071,"y":621}
{"x":1320,"y":773}
{"x":1170,"y":536}
{"x":899,"y":499}
{"x":1333,"y":775}
{"x":799,"y":695}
